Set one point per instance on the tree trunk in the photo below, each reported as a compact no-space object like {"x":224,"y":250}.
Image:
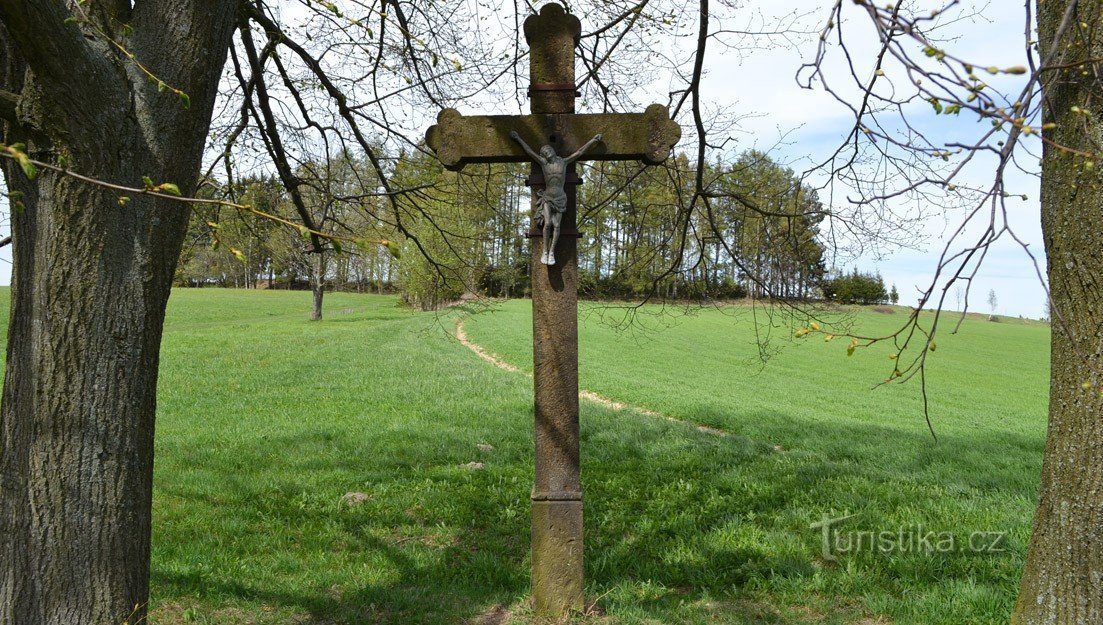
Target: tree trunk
{"x":90,"y":282}
{"x":88,"y":299}
{"x":317,"y":285}
{"x":1062,"y":582}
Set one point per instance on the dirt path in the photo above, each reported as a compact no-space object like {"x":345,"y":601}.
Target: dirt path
{"x":461,"y":336}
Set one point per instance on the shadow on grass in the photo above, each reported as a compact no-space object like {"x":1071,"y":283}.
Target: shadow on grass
{"x":419,"y":593}
{"x":674,"y":519}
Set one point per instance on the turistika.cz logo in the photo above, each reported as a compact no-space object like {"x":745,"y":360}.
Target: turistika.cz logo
{"x":913,"y":538}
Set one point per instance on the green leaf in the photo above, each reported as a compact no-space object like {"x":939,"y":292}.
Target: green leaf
{"x":29,"y":169}
{"x":169,"y":188}
{"x":16,"y":152}
{"x":184,"y":99}
{"x":337,"y":246}
{"x":123,"y":200}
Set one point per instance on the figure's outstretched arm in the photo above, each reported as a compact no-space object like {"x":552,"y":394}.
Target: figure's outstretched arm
{"x":516,"y":137}
{"x":582,"y":150}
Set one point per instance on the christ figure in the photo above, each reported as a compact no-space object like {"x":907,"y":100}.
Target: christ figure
{"x":552,"y":202}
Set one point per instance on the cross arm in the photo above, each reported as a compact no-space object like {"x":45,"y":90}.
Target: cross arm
{"x":458,"y":140}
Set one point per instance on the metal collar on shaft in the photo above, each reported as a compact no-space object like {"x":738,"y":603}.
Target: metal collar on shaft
{"x":557,"y":495}
{"x":553,"y":88}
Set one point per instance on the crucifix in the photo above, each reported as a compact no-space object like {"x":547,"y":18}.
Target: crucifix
{"x":550,"y":130}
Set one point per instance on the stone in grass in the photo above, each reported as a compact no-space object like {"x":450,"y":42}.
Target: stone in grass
{"x":474,"y":466}
{"x":485,"y":447}
{"x":353,"y":499}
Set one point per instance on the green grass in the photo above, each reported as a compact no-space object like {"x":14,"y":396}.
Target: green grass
{"x":741,"y":522}
{"x":265,"y":420}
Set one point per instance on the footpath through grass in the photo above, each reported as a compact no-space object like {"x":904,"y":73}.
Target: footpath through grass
{"x":266,"y":420}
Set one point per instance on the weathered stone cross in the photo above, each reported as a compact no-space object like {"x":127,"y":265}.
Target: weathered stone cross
{"x":458,"y":140}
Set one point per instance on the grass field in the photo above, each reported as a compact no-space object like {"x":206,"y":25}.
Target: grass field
{"x":266,"y":420}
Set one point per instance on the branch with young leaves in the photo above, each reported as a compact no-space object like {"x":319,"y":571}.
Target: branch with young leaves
{"x":171,"y":192}
{"x":82,"y":18}
{"x":885,"y":137}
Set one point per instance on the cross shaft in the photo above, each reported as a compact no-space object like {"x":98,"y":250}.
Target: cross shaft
{"x":557,"y":565}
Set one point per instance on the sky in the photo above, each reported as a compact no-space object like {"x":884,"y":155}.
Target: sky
{"x":799,"y":126}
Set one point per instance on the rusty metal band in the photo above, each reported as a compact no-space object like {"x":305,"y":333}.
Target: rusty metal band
{"x":553,"y":88}
{"x":557,"y":495}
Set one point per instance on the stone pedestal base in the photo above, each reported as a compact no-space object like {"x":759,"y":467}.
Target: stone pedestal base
{"x":557,"y":556}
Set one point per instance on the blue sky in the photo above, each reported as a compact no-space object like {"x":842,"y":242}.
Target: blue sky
{"x":809,"y":125}
{"x":758,"y":84}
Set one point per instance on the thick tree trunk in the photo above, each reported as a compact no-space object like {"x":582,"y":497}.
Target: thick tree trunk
{"x":90,"y":282}
{"x":317,"y":285}
{"x":1063,"y":579}
{"x":89,"y":291}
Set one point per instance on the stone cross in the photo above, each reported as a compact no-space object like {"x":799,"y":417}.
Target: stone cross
{"x":554,"y":129}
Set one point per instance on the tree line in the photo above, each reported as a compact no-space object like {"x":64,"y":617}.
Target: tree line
{"x":761,"y":239}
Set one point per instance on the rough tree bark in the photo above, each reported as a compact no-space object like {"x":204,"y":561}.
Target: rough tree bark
{"x":1063,"y":580}
{"x":318,"y":284}
{"x":90,"y":282}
